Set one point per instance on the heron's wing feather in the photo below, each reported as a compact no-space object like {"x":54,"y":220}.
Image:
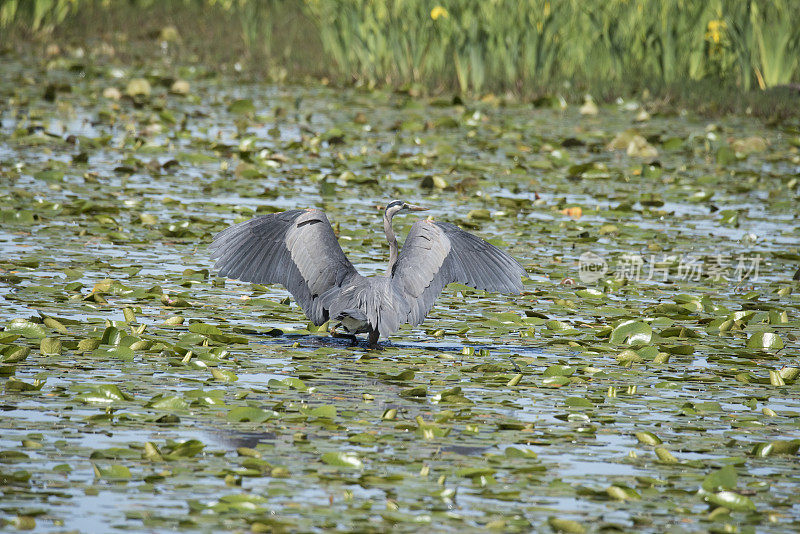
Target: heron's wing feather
{"x":436,"y":254}
{"x":295,"y":248}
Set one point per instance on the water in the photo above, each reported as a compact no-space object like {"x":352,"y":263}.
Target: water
{"x":391,"y":407}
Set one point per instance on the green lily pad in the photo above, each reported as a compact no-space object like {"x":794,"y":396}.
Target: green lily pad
{"x":342,"y":459}
{"x":50,"y":346}
{"x":112,"y":472}
{"x":731,"y":500}
{"x":25,"y":329}
{"x":632,"y":332}
{"x":765,"y":341}
{"x":246,"y":413}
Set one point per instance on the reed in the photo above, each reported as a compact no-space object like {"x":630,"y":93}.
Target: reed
{"x":523,"y":47}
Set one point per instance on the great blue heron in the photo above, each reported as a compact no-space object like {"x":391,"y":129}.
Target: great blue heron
{"x":298,"y":249}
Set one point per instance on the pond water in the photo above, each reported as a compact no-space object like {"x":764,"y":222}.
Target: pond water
{"x":143,"y":393}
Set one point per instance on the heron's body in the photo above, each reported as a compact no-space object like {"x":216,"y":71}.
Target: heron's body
{"x":299,"y":250}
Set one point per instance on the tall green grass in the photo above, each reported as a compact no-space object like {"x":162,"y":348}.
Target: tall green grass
{"x":512,"y":45}
{"x":35,"y":14}
{"x":522,"y":46}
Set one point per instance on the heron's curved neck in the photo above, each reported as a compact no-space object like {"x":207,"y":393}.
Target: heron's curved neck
{"x":387,"y":227}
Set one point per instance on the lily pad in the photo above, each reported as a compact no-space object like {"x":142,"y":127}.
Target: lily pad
{"x":342,"y":459}
{"x":632,"y":332}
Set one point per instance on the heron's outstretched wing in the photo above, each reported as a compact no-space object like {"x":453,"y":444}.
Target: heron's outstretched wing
{"x":295,"y":248}
{"x":436,"y":254}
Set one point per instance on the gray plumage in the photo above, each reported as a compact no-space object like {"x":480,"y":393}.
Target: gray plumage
{"x":299,"y":250}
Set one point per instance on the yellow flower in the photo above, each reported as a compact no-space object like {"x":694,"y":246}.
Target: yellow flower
{"x":715,"y":29}
{"x":439,"y":11}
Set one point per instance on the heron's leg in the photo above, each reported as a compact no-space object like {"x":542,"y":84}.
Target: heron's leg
{"x":352,"y":337}
{"x":373,"y":339}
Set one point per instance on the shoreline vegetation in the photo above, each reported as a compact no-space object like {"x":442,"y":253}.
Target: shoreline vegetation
{"x":711,"y":57}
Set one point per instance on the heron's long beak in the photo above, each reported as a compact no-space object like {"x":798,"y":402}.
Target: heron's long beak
{"x":412,"y":207}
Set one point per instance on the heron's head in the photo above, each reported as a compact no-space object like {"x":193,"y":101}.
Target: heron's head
{"x":399,"y":206}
